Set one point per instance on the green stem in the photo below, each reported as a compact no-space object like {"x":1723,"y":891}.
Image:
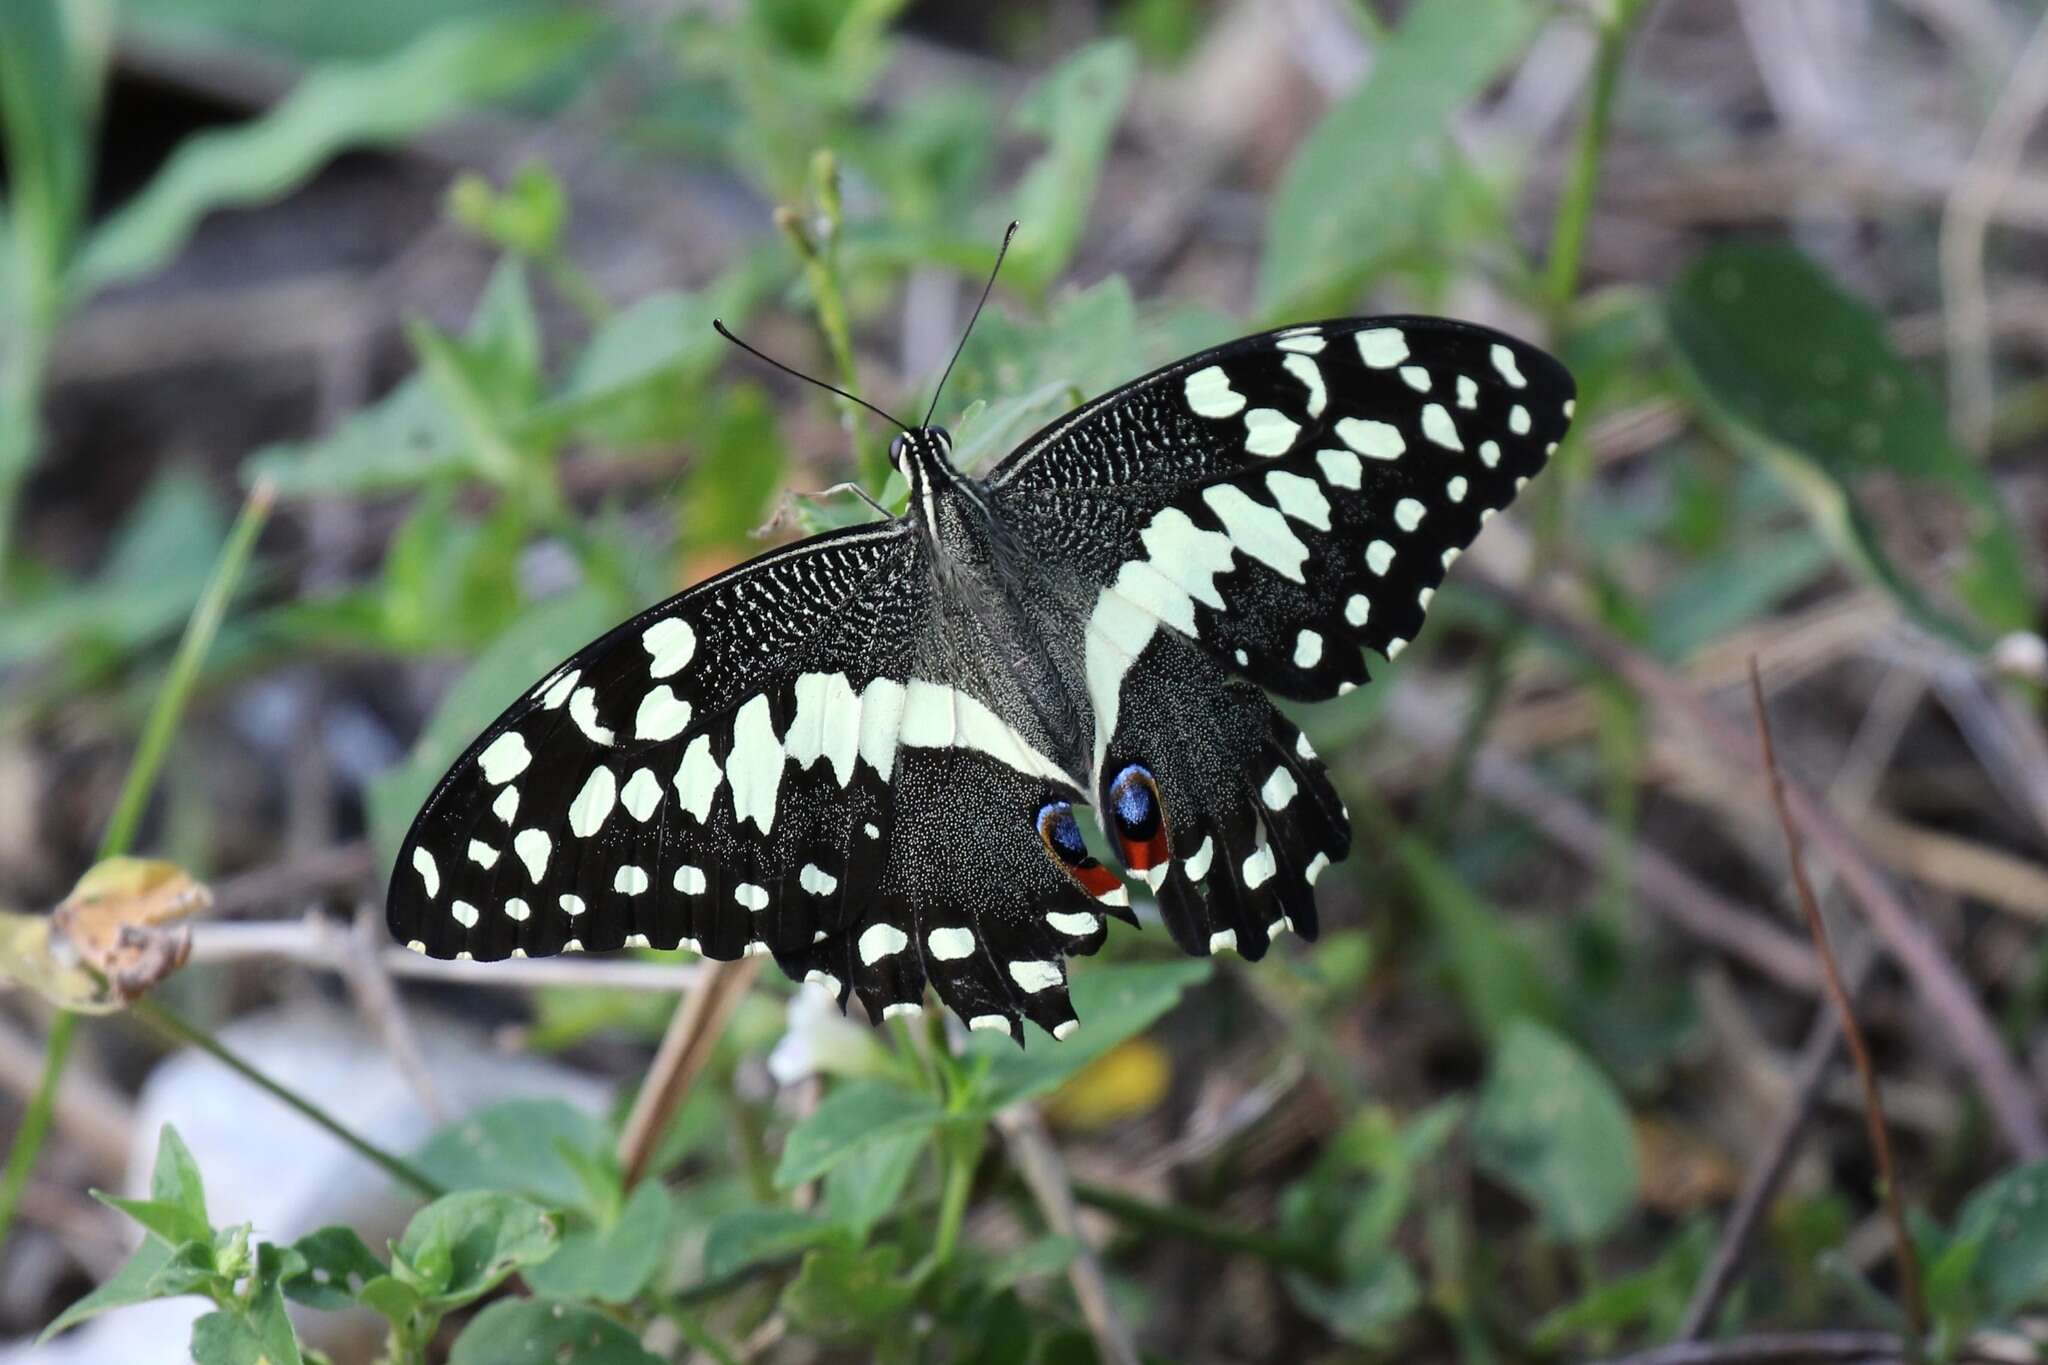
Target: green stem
{"x":120,"y":831}
{"x":1582,"y":178}
{"x":1199,"y":1227}
{"x":959,"y":1152}
{"x":161,"y":1019}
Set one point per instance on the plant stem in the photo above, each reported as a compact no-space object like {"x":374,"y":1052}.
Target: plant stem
{"x":1911,"y":1299}
{"x":120,"y":831}
{"x":1582,"y":177}
{"x":1197,"y":1227}
{"x":157,"y":1017}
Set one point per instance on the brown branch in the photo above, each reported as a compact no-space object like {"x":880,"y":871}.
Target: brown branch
{"x":345,"y":867}
{"x":1816,"y":1060}
{"x":685,"y":1048}
{"x":1046,"y":1177}
{"x":1936,"y":981}
{"x":1866,"y":1072}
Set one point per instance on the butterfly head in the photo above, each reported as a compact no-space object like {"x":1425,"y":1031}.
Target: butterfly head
{"x":917,"y":451}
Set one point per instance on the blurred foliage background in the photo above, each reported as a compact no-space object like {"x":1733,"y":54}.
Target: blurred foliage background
{"x":424,"y":288}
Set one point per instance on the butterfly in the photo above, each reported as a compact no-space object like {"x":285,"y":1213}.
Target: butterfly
{"x":862,"y":753}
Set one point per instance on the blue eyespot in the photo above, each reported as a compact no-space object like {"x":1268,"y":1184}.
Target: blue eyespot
{"x":1134,"y":800}
{"x":1062,"y":834}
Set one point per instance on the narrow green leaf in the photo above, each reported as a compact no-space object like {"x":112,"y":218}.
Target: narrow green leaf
{"x":176,"y":1181}
{"x":853,"y":1115}
{"x":1798,"y":372}
{"x":1551,"y":1126}
{"x":46,"y":121}
{"x":1075,"y":108}
{"x":1114,"y":1002}
{"x":754,"y":1236}
{"x":132,"y":1283}
{"x":343,"y":105}
{"x":171,"y":1223}
{"x":546,"y":1332}
{"x":1360,"y":187}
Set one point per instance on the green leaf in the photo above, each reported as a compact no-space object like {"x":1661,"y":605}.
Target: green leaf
{"x":172,"y":1223}
{"x":846,"y":1295}
{"x":175,"y":1181}
{"x":224,"y":1338}
{"x":1075,"y":108}
{"x":390,"y":1296}
{"x":1365,"y":184}
{"x":1798,"y":372}
{"x":864,"y":1189}
{"x":1049,"y":1255}
{"x":527,"y":216}
{"x":610,"y":1264}
{"x":853,"y":1115}
{"x":1551,"y":1127}
{"x":1653,"y":1298}
{"x":1497,"y":979}
{"x":733,"y":482}
{"x":46,"y":119}
{"x":514,"y":1145}
{"x":538,"y":641}
{"x":416,"y":435}
{"x":546,"y":1332}
{"x":755,"y":1236}
{"x":2008,"y":1219}
{"x":343,"y":105}
{"x":337,"y":1264}
{"x":1367,"y":1309}
{"x":462,"y":1245}
{"x":1114,"y":1003}
{"x":133,"y":1283}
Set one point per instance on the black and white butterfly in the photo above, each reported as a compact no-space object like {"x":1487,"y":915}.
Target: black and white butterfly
{"x":861,"y":753}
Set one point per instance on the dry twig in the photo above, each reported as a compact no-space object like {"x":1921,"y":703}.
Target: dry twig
{"x":1838,"y":997}
{"x":1966,"y":221}
{"x":692,"y":1033}
{"x":1046,"y":1177}
{"x":1939,"y":984}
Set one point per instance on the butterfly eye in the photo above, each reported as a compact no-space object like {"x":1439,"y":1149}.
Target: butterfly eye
{"x":1139,"y":818}
{"x":898,"y":447}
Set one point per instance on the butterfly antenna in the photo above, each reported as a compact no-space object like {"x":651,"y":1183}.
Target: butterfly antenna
{"x":758,"y":354}
{"x":996,"y":269}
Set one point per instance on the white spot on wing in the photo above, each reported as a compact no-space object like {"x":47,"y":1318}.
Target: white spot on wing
{"x":430,"y":872}
{"x":1457,"y":488}
{"x":533,"y":847}
{"x":482,"y":854}
{"x":506,"y":807}
{"x":698,"y":779}
{"x":1073,"y":925}
{"x":1408,"y":514}
{"x":1033,"y":977}
{"x":1065,"y":1029}
{"x":1279,"y":789}
{"x":641,"y":794}
{"x":690,"y":880}
{"x":878,"y":941}
{"x":1358,"y":609}
{"x":826,"y":725}
{"x":1258,"y":869}
{"x":1438,"y":426}
{"x":750,"y":896}
{"x":1468,"y":392}
{"x":662,"y":715}
{"x":950,"y":945}
{"x":1316,"y":866}
{"x":1518,"y":420}
{"x":518,"y":911}
{"x":1489,"y":453}
{"x":754,"y":767}
{"x":814,"y":977}
{"x":560,"y":688}
{"x":1299,"y":498}
{"x":1308,"y":649}
{"x":1378,"y":556}
{"x":988,"y":1023}
{"x":630,"y":881}
{"x":1415,"y":377}
{"x":1311,"y":376}
{"x":583,"y":711}
{"x":817,"y":880}
{"x":1198,"y":864}
{"x":1307,"y":341}
{"x":1382,"y":347}
{"x":1223,"y":941}
{"x":902,"y":1009}
{"x":1374,"y":440}
{"x":671,"y":642}
{"x":588,"y":812}
{"x":1340,"y":467}
{"x":505,"y":759}
{"x":1210,"y":395}
{"x":464,"y":913}
{"x":1268,"y":431}
{"x":1504,"y":361}
{"x":1258,"y":530}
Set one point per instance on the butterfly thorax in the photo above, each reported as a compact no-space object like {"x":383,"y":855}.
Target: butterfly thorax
{"x":998,"y":632}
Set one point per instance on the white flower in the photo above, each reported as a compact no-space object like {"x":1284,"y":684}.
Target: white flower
{"x":820,"y":1041}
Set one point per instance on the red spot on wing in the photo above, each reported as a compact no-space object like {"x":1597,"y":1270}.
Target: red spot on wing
{"x":1151,"y":853}
{"x":1095,"y":879}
